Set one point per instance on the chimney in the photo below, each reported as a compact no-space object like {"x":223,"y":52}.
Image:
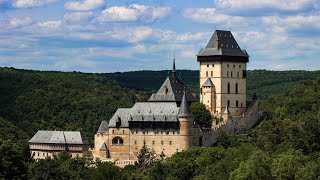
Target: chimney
{"x":217,"y":44}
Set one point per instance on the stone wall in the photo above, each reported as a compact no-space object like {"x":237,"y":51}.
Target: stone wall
{"x":235,"y":125}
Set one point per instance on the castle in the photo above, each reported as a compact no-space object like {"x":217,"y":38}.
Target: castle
{"x":165,"y":123}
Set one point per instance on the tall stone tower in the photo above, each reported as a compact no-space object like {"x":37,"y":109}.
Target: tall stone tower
{"x":223,"y":82}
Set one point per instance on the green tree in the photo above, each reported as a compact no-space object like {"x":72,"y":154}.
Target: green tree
{"x":106,"y":170}
{"x":201,"y":115}
{"x":12,"y":162}
{"x":258,"y":166}
{"x":146,"y":157}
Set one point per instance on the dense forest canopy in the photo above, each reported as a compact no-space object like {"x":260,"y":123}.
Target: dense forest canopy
{"x":286,"y":146}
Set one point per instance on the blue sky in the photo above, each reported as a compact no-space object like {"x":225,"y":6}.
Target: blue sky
{"x":118,"y":35}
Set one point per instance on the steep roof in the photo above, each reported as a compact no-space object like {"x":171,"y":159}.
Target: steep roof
{"x":104,"y":147}
{"x":146,"y":112}
{"x":172,"y":89}
{"x":104,"y":127}
{"x":184,"y":110}
{"x":58,"y":137}
{"x":208,"y":83}
{"x":227,"y":45}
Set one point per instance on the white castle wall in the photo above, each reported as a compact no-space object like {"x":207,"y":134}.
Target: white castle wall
{"x":251,"y":117}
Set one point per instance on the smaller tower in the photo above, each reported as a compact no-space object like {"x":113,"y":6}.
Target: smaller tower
{"x":186,"y":124}
{"x":226,"y":114}
{"x":101,"y":139}
{"x":208,"y":96}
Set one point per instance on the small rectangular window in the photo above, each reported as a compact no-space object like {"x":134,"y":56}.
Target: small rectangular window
{"x":161,"y":142}
{"x":135,"y":141}
{"x":211,"y":73}
{"x":207,"y":74}
{"x":170,"y":142}
{"x":122,"y":131}
{"x":228,"y":103}
{"x":227,"y":73}
{"x":212,"y":65}
{"x":244,"y":73}
{"x":153,"y":142}
{"x":112,"y":131}
{"x":237,"y":103}
{"x":207,"y":65}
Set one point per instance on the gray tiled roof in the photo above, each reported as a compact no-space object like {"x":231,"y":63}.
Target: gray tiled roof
{"x":184,"y":110}
{"x":208,"y":83}
{"x":175,"y":88}
{"x":104,"y":127}
{"x":146,"y":112}
{"x":58,"y":137}
{"x":227,"y":45}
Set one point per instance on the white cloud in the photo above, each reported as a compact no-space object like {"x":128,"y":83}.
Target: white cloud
{"x":85,"y":5}
{"x":132,"y":35}
{"x":209,"y":15}
{"x":134,"y":12}
{"x":52,"y":25}
{"x":288,"y":5}
{"x":31,"y":3}
{"x":17,"y":23}
{"x":295,"y":22}
{"x":78,"y":17}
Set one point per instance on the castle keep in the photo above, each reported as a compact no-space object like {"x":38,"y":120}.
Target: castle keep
{"x":165,"y":123}
{"x":223,"y":84}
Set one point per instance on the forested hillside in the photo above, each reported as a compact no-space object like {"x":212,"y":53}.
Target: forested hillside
{"x":265,"y":83}
{"x":286,"y":146}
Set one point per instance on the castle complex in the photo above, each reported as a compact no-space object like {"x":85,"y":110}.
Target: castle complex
{"x":165,"y":123}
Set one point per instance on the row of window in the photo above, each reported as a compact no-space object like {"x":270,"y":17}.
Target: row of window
{"x":147,"y":132}
{"x":237,"y":103}
{"x":236,"y":88}
{"x":229,"y":74}
{"x":118,"y":141}
{"x":234,"y":66}
{"x":153,"y":142}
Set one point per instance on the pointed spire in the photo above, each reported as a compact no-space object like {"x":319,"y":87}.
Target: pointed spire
{"x":184,"y":110}
{"x":104,"y":127}
{"x":174,"y":65}
{"x":226,"y":111}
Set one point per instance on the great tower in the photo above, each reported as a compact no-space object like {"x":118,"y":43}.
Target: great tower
{"x":223,"y":67}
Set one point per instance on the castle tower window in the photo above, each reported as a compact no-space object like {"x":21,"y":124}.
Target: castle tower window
{"x":236,"y":88}
{"x":122,"y":131}
{"x":112,"y":131}
{"x":212,"y":65}
{"x":207,"y":65}
{"x":234,"y":66}
{"x":228,"y":88}
{"x":231,"y":73}
{"x":211,"y":73}
{"x":117,"y":141}
{"x":241,"y":105}
{"x":153,"y":142}
{"x":170,"y":142}
{"x":228,"y":103}
{"x":239,"y":66}
{"x":227,"y":65}
{"x":237,"y":103}
{"x":238,"y":74}
{"x":207,"y":74}
{"x":135,"y":141}
{"x":227,"y":73}
{"x":161,"y":142}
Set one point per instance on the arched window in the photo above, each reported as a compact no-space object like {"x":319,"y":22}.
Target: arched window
{"x":117,"y":141}
{"x":228,"y":88}
{"x":236,"y":88}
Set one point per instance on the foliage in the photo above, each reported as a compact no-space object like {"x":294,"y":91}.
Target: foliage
{"x":201,"y":115}
{"x":12,"y":162}
{"x":146,"y":157}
